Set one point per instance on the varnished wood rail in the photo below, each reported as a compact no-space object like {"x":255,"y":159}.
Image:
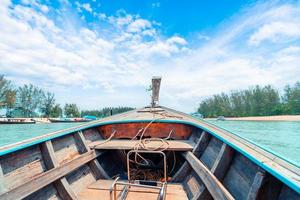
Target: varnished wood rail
{"x":213,"y":185}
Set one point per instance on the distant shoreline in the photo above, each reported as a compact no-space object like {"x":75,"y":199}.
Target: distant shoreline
{"x":292,"y":118}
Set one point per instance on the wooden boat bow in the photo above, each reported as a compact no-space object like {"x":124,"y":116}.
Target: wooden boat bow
{"x":202,"y":161}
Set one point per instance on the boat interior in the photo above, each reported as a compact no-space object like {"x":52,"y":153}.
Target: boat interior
{"x":148,"y":153}
{"x":136,"y":160}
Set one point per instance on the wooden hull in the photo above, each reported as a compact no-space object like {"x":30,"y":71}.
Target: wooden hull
{"x":204,"y":161}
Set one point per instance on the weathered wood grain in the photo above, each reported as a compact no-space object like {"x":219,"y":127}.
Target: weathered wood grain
{"x":256,"y":185}
{"x":65,"y":148}
{"x":198,"y":150}
{"x":15,"y":166}
{"x":47,"y":177}
{"x":48,"y":192}
{"x":219,"y":168}
{"x":240,"y":176}
{"x":223,"y":161}
{"x":95,"y":166}
{"x":80,"y":179}
{"x":155,"y":91}
{"x":61,"y":185}
{"x":214,"y":186}
{"x":100,"y":191}
{"x":211,"y":152}
{"x":91,"y":135}
{"x":173,"y":145}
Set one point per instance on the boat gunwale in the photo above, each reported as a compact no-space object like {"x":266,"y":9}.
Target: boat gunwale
{"x":34,"y":141}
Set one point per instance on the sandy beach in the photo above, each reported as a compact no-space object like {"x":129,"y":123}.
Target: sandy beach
{"x":264,"y":118}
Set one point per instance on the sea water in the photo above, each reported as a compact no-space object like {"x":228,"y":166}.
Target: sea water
{"x":12,"y":133}
{"x":282,"y":138}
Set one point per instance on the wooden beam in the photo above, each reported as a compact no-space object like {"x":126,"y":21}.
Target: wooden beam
{"x":222,"y":161}
{"x":173,"y":145}
{"x":198,"y":150}
{"x":202,"y":144}
{"x":61,"y":185}
{"x":214,"y":186}
{"x":95,"y":166}
{"x":81,"y":142}
{"x":48,"y":177}
{"x":256,"y":185}
{"x":219,"y":167}
{"x":155,"y":90}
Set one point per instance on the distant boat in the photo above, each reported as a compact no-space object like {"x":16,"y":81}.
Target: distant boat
{"x":221,"y":118}
{"x":17,"y":121}
{"x":197,"y":115}
{"x":67,"y":120}
{"x":149,"y":153}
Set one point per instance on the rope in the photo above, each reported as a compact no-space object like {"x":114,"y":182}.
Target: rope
{"x":108,"y":139}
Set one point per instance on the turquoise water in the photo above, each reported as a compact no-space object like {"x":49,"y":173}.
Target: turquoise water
{"x":15,"y":133}
{"x":283,"y":138}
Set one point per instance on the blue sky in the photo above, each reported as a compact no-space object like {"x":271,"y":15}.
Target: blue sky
{"x":101,"y":53}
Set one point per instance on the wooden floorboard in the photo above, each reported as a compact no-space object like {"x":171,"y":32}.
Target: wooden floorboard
{"x":100,"y":190}
{"x":182,"y":145}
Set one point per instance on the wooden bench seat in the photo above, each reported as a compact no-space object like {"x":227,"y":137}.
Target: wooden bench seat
{"x":173,"y":145}
{"x":100,"y":190}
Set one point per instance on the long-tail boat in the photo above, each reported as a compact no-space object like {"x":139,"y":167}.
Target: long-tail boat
{"x":148,"y":153}
{"x":17,"y":121}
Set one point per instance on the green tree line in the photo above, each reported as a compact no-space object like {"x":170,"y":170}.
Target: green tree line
{"x":31,"y":101}
{"x":106,"y":111}
{"x":255,"y":101}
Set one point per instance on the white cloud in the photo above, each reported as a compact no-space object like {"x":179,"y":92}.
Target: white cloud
{"x":177,"y":40}
{"x":80,"y":63}
{"x":84,"y":6}
{"x":87,"y":7}
{"x":138,"y":25}
{"x":276,"y":31}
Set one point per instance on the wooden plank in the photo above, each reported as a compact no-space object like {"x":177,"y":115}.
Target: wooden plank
{"x":80,"y":178}
{"x":95,"y":166}
{"x":15,"y":166}
{"x":48,"y":177}
{"x":65,"y":148}
{"x":155,"y":130}
{"x":219,"y":168}
{"x":211,"y":152}
{"x":61,"y":185}
{"x":223,"y":161}
{"x":256,"y":185}
{"x":214,"y":186}
{"x":91,"y":135}
{"x":48,"y":192}
{"x":202,"y":143}
{"x":198,"y":150}
{"x":100,"y":190}
{"x":182,"y":145}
